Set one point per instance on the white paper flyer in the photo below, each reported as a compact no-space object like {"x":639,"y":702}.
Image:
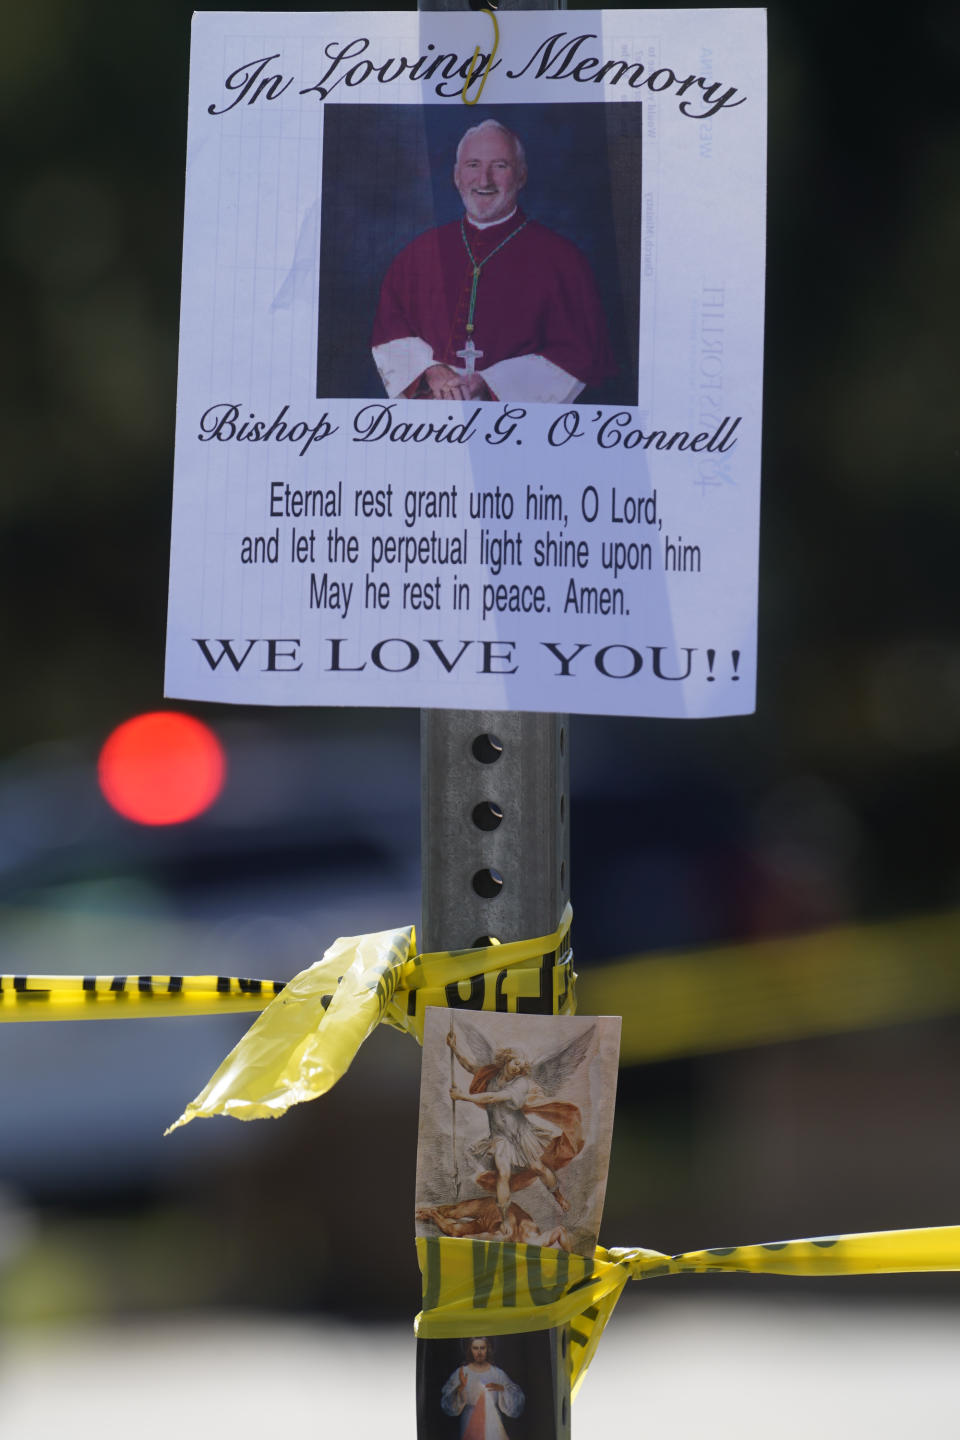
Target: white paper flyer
{"x":469,"y":407}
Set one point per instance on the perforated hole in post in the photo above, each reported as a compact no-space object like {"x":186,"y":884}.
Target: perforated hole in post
{"x":488,"y":883}
{"x":487,"y":748}
{"x":487,"y":815}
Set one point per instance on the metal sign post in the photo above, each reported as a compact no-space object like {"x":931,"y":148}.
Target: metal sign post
{"x":495,"y":845}
{"x":495,"y":834}
{"x":495,"y":827}
{"x":495,"y":837}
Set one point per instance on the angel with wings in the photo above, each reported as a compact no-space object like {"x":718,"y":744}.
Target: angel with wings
{"x":531,"y":1135}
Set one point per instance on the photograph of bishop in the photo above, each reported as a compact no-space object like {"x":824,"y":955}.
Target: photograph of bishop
{"x":493,"y":305}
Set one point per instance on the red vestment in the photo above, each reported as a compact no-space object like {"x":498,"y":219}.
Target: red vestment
{"x":535,"y":297}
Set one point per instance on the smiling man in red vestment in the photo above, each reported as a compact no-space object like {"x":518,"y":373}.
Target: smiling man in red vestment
{"x":493,"y":306}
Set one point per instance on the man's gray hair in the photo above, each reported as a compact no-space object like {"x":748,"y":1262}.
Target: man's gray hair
{"x":491,"y":124}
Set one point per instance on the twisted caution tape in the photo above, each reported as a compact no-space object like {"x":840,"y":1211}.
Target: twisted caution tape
{"x":474,"y":1287}
{"x":307,"y":1037}
{"x":312,"y":1027}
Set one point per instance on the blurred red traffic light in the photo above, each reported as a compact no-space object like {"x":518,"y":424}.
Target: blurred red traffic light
{"x":161,"y":768}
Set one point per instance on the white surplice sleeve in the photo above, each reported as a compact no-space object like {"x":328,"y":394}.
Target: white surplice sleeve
{"x":452,"y":1398}
{"x":532,"y":377}
{"x":511,"y":1398}
{"x":401,"y":362}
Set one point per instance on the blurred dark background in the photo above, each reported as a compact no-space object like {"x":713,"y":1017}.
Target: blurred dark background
{"x":836,"y":804}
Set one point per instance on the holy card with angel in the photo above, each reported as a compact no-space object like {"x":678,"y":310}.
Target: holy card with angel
{"x":516,"y":1118}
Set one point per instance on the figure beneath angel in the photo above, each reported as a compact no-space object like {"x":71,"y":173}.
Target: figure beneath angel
{"x":531,"y":1135}
{"x":480,"y":1218}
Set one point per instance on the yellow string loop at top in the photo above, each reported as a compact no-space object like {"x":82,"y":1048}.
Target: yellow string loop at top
{"x":489,"y":65}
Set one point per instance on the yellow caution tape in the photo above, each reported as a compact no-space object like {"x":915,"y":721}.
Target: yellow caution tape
{"x":307,"y":1037}
{"x":673,"y":1004}
{"x":474,"y":1287}
{"x":114,"y":997}
{"x":725,"y":997}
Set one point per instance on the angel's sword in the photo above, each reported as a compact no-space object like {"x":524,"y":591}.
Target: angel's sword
{"x":456,"y":1167}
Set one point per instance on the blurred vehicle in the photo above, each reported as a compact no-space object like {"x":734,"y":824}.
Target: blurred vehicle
{"x":312,"y":837}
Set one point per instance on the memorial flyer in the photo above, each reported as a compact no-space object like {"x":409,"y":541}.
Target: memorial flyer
{"x":469,"y":404}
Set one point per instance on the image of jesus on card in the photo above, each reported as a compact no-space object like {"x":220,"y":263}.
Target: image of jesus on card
{"x":481,"y":1393}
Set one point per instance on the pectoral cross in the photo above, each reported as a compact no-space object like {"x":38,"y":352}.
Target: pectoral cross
{"x":469,"y":354}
